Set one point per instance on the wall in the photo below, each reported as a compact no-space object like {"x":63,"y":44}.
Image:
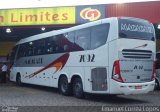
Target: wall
{"x":6,"y":47}
{"x":145,"y":10}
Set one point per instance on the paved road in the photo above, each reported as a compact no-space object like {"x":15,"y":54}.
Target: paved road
{"x":29,"y":95}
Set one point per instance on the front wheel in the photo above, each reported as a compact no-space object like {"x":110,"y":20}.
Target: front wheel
{"x":78,"y":88}
{"x":18,"y":80}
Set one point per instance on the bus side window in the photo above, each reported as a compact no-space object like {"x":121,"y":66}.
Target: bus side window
{"x":21,"y":51}
{"x":60,"y":43}
{"x":99,"y":35}
{"x":65,"y":47}
{"x":39,"y":47}
{"x":82,"y":39}
{"x":25,"y":52}
{"x":30,"y":53}
{"x":57,"y":49}
{"x":50,"y":45}
{"x":13,"y":54}
{"x":30,"y":50}
{"x":69,"y":41}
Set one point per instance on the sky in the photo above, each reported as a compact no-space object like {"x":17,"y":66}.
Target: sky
{"x":5,"y":4}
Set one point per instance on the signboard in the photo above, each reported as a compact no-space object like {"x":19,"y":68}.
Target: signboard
{"x":51,"y":16}
{"x":89,"y":13}
{"x":37,"y":16}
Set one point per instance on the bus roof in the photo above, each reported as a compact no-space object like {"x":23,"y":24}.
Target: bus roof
{"x":56,"y":32}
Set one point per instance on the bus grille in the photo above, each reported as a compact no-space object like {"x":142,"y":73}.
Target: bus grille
{"x":99,"y":79}
{"x":137,"y":54}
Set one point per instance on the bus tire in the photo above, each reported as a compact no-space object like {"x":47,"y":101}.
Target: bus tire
{"x":77,"y":87}
{"x":157,"y":86}
{"x":18,"y":80}
{"x":64,"y":86}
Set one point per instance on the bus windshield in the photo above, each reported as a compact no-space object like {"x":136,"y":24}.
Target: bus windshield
{"x":136,"y":29}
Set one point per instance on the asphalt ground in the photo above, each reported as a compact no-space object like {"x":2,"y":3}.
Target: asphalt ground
{"x":44,"y":99}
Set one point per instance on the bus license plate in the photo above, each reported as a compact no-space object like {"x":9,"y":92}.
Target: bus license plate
{"x":138,"y":87}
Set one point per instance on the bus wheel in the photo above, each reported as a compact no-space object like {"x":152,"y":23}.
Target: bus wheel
{"x":78,"y":88}
{"x":18,"y":80}
{"x":157,"y":86}
{"x":64,"y":86}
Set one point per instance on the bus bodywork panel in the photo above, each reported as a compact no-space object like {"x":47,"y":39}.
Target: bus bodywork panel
{"x":136,"y":66}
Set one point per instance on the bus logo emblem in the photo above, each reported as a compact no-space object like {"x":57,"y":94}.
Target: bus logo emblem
{"x":138,"y":67}
{"x":90,"y":14}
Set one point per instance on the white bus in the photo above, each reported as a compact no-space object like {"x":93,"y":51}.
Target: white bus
{"x":108,"y":56}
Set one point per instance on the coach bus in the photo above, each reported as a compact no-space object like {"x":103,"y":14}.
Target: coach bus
{"x":110,"y":56}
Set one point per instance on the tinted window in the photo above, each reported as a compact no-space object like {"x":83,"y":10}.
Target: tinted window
{"x":51,"y":45}
{"x":136,"y":29}
{"x":60,"y":43}
{"x":99,"y":35}
{"x":22,"y":51}
{"x":69,"y":41}
{"x":39,"y":47}
{"x":70,"y":36}
{"x":66,"y":42}
{"x":30,"y":49}
{"x":82,"y":38}
{"x":13,"y":54}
